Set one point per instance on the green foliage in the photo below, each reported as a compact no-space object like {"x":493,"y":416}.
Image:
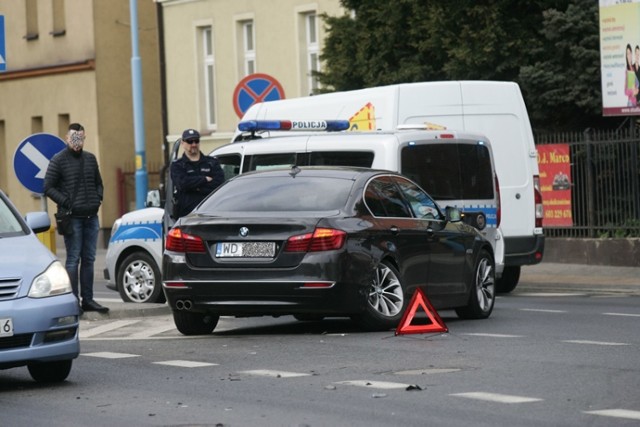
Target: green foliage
{"x":550,"y":47}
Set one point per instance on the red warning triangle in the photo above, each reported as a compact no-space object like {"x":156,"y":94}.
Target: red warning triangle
{"x":410,"y":325}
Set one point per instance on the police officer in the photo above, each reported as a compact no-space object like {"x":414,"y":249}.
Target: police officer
{"x":194,"y":175}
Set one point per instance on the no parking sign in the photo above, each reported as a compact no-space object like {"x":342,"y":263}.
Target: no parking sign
{"x":253,"y":89}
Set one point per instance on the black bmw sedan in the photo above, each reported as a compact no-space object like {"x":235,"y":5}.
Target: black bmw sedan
{"x":322,"y":242}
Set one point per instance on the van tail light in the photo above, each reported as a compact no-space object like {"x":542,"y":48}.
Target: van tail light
{"x":322,"y":239}
{"x":499,"y":207}
{"x":538,"y":199}
{"x":178,"y":241}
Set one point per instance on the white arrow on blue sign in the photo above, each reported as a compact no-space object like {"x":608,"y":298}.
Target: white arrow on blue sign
{"x":31,"y":159}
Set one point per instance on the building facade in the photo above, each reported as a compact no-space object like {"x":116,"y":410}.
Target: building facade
{"x":210,"y":46}
{"x":70,"y":61}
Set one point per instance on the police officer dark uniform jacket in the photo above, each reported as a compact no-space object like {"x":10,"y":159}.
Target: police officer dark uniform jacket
{"x":60,"y":186}
{"x":189,"y":179}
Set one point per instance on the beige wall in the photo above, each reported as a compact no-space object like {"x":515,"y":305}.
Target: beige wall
{"x":98,"y":37}
{"x":277,"y":46}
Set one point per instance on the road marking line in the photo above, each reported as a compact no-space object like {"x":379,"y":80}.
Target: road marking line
{"x":375,"y":384}
{"x":493,"y":335}
{"x":110,"y":355}
{"x":541,"y":310}
{"x":617,"y":413}
{"x":595,"y":342}
{"x":428,"y":371}
{"x":185,"y":363}
{"x":106,"y":328}
{"x":551,"y":294}
{"x":146,"y":333}
{"x":495,"y":397}
{"x":622,"y":314}
{"x":274,"y":374}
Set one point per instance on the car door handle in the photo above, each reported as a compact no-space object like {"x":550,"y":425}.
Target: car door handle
{"x":429,"y":232}
{"x":394,"y":229}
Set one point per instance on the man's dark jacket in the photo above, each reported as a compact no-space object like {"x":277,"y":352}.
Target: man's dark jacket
{"x":63,"y":173}
{"x":190,"y":182}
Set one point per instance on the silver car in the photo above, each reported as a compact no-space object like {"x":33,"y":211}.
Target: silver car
{"x":38,"y":312}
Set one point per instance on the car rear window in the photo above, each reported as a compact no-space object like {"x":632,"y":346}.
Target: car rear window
{"x":279,"y":194}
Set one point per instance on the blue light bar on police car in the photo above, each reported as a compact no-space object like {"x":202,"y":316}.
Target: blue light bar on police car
{"x":294,"y":125}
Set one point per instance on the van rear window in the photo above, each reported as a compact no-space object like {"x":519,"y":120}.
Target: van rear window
{"x":450,"y":171}
{"x":362,"y":159}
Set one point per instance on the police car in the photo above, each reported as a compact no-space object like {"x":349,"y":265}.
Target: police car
{"x":456,"y":168}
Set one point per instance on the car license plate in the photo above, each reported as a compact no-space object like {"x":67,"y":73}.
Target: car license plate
{"x":246,"y":249}
{"x":6,"y":327}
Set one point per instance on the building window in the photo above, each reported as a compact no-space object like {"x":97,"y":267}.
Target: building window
{"x":208,"y":74}
{"x":312,"y":50}
{"x":36,"y":124}
{"x":31,"y":10}
{"x":248,"y":39}
{"x":59,"y":25}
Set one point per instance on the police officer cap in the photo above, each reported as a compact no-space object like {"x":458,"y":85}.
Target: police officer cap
{"x":190,"y":134}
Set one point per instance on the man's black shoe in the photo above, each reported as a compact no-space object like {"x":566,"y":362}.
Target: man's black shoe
{"x":94,"y":306}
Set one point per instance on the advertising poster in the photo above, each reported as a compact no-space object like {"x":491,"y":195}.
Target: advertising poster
{"x":620,"y":57}
{"x":555,"y":183}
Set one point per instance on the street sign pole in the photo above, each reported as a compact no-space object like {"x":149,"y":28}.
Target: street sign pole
{"x":138,"y":115}
{"x":3,"y":50}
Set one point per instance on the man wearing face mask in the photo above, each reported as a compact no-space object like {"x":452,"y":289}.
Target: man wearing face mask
{"x":74,"y":183}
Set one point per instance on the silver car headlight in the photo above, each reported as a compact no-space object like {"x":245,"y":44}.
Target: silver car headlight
{"x":54,"y":281}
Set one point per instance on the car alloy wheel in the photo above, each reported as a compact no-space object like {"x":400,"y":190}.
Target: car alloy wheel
{"x":139,"y":279}
{"x":482,"y":296}
{"x":385,"y":300}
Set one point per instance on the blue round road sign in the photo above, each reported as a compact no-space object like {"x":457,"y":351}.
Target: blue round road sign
{"x":31,"y":159}
{"x":253,"y":89}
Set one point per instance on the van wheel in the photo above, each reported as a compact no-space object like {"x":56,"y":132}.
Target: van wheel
{"x":385,"y":301}
{"x":189,"y":323}
{"x":138,"y":279}
{"x":509,"y":279}
{"x":482,"y":293}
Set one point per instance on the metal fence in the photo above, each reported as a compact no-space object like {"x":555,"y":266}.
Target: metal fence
{"x":605,"y":177}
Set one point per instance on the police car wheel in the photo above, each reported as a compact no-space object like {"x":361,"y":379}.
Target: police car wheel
{"x":509,"y":280}
{"x":138,"y":279}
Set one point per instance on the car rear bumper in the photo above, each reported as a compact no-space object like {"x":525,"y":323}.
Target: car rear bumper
{"x":263,"y":297}
{"x":527,"y":250}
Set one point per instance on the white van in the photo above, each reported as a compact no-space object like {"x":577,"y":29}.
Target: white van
{"x":455,"y":168}
{"x":494,"y":109}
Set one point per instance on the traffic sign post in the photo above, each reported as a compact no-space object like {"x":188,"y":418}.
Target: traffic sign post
{"x":3,"y":51}
{"x":31,"y":159}
{"x":253,"y":89}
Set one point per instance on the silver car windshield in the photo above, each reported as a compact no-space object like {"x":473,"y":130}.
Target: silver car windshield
{"x":9,"y":224}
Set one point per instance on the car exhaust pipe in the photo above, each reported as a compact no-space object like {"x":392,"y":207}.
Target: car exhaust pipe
{"x":187,"y":304}
{"x":180,"y":304}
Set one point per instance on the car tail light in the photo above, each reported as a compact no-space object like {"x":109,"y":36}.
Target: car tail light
{"x":322,"y":239}
{"x":499,"y":207}
{"x":538,"y":199}
{"x":177,"y":241}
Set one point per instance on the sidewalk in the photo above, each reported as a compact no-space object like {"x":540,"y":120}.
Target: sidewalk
{"x":543,"y":277}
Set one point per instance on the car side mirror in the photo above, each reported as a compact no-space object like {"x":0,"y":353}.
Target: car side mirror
{"x":153,"y":199}
{"x":453,"y":214}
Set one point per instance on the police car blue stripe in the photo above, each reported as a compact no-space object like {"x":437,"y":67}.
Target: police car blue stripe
{"x":139,"y":231}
